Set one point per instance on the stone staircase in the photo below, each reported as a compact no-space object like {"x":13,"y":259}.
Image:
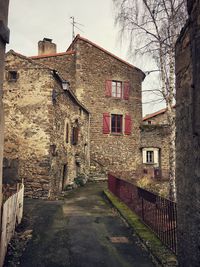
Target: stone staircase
{"x":97,"y":172}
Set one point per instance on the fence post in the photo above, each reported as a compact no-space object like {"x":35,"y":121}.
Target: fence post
{"x":142,"y":209}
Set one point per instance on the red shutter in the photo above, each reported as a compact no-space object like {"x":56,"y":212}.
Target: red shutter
{"x":108,"y":88}
{"x":128,"y":124}
{"x":106,"y":123}
{"x":126,"y":90}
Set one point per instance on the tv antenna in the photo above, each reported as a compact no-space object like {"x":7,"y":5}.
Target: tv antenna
{"x":74,"y":25}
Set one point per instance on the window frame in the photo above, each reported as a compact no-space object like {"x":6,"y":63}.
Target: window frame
{"x":75,"y":134}
{"x":116,"y":126}
{"x":150,"y":157}
{"x":12,"y":75}
{"x":117,"y":92}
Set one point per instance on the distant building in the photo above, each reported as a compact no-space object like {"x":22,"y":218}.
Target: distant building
{"x":46,"y":128}
{"x":155,"y":144}
{"x":111,"y":89}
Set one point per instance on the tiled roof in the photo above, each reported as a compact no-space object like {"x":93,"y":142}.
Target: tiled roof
{"x":54,"y":55}
{"x":78,"y":37}
{"x":162,"y":111}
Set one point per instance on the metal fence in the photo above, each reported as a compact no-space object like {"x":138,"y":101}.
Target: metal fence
{"x":158,"y":213}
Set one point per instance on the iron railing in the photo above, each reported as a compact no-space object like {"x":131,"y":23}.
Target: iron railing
{"x":158,"y":213}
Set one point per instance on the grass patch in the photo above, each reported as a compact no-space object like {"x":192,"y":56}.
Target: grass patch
{"x":160,"y":188}
{"x":162,"y":255}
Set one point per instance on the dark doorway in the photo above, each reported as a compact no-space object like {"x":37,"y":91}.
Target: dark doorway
{"x":64,"y":176}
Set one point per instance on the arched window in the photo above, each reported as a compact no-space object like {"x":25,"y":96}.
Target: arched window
{"x":75,"y":133}
{"x":67,"y":133}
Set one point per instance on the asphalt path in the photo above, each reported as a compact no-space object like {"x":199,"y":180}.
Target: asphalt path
{"x":82,"y":230}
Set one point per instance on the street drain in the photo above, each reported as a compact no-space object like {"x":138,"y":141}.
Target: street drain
{"x":119,"y":239}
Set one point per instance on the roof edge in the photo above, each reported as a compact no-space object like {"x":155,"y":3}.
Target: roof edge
{"x":53,"y":55}
{"x":73,"y":96}
{"x":78,"y":37}
{"x":154,"y":114}
{"x":29,"y":59}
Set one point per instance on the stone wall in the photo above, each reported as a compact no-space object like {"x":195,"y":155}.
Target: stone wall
{"x":64,"y":63}
{"x":27,"y":124}
{"x":157,"y":136}
{"x":88,"y":67}
{"x":188,"y":139}
{"x":93,"y":67}
{"x":35,"y":121}
{"x":69,"y":160}
{"x":158,"y":119}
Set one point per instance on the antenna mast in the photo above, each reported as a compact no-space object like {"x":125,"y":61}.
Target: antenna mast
{"x":74,"y":26}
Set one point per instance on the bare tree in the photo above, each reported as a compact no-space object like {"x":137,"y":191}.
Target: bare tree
{"x":152,"y":27}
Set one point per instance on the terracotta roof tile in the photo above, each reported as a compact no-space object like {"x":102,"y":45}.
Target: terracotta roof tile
{"x":149,"y":116}
{"x":54,"y":55}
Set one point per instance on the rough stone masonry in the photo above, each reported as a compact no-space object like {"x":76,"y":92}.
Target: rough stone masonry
{"x":188,"y":138}
{"x":94,"y":75}
{"x":46,"y":129}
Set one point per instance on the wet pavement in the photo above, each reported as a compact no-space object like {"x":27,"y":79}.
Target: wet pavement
{"x":81,"y":231}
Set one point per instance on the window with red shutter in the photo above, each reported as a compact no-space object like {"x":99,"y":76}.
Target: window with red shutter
{"x":108,"y":88}
{"x":128,"y":124}
{"x":116,"y":123}
{"x":106,"y":123}
{"x":126,"y":90}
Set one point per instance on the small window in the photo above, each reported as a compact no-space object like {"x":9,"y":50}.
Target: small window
{"x":150,"y":157}
{"x":149,"y":122}
{"x":67,"y":133}
{"x":12,"y":76}
{"x":116,"y":123}
{"x":117,"y":89}
{"x":75,"y":132}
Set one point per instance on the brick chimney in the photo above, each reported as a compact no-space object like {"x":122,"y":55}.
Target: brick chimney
{"x":46,"y":47}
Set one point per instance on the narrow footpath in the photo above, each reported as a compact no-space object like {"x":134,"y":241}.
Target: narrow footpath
{"x":81,"y":231}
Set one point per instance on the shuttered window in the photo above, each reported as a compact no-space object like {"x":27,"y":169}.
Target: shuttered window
{"x":113,"y":123}
{"x":128,"y":124}
{"x":151,"y":156}
{"x":117,"y":89}
{"x":116,"y":123}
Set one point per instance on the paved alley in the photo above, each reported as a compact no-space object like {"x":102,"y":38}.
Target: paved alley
{"x":80,"y":231}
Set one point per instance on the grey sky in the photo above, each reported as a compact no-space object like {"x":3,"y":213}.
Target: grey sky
{"x":32,"y":20}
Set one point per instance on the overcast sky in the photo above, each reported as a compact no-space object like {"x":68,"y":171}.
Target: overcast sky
{"x":32,"y":20}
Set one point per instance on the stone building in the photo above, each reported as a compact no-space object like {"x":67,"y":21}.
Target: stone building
{"x":111,"y":89}
{"x":4,"y":38}
{"x":188,"y":138}
{"x":46,"y":128}
{"x":155,"y":144}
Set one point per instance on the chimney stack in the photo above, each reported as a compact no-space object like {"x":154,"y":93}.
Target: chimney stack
{"x":46,"y":47}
